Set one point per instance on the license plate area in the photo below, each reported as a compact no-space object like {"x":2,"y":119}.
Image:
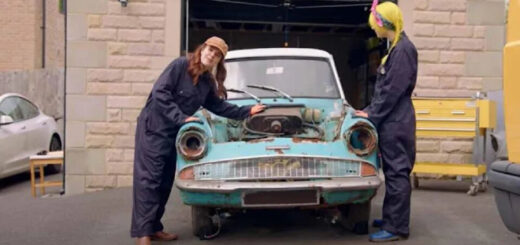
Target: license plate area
{"x":283,"y":198}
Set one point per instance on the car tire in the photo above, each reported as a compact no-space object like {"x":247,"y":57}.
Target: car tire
{"x":202,"y":223}
{"x":355,"y":217}
{"x":55,"y":145}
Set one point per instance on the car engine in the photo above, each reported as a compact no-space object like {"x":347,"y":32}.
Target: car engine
{"x":279,"y":120}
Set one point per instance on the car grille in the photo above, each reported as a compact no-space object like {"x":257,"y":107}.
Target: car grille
{"x":277,"y":168}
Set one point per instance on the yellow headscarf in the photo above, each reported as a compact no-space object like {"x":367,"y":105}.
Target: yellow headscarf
{"x":391,"y":12}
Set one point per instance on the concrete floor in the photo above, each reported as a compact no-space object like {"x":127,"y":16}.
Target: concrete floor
{"x":441,"y":214}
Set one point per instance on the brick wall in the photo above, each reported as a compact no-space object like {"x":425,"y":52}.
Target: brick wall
{"x":21,"y":35}
{"x":115,"y":54}
{"x":459,"y":44}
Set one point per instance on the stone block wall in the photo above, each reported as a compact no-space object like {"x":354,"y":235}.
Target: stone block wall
{"x":460,"y":52}
{"x":114,"y":56}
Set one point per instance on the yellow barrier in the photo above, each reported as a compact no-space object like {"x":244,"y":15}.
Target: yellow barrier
{"x":511,"y":82}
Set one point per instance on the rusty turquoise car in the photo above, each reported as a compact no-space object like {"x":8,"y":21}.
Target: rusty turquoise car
{"x":305,"y":150}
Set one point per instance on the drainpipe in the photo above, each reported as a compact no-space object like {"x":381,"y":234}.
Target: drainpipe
{"x":64,"y":142}
{"x":43,"y":32}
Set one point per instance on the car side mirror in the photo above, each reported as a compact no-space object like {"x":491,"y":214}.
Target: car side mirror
{"x":4,"y":120}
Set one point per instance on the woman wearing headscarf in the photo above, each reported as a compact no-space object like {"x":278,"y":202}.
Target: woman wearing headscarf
{"x":183,"y":87}
{"x":392,"y":112}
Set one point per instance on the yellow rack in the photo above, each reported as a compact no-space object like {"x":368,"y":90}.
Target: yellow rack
{"x":454,"y":118}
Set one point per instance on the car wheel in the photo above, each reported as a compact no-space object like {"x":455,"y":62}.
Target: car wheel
{"x":54,"y":146}
{"x":355,"y":217}
{"x":203,"y":223}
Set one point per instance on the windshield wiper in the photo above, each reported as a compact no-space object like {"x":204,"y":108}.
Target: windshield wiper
{"x":232,"y":90}
{"x":271,"y":89}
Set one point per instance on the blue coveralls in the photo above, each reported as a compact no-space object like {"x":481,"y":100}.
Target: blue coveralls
{"x":173,"y":98}
{"x":392,"y":112}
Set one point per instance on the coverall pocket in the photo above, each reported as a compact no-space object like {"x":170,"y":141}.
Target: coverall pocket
{"x":185,"y":98}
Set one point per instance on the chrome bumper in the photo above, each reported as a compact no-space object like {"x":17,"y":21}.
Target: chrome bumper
{"x":349,"y":183}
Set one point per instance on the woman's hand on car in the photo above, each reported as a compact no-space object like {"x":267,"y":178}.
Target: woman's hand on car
{"x":192,"y":119}
{"x":257,"y":109}
{"x":359,"y":113}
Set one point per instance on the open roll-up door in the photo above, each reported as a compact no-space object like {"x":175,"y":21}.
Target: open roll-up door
{"x":336,"y":26}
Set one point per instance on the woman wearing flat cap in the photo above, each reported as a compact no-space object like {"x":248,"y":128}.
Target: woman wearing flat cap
{"x":183,"y":87}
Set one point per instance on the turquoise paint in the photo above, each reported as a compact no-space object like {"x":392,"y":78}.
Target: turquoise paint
{"x":233,"y":150}
{"x":234,"y":199}
{"x":223,"y":145}
{"x":343,"y":197}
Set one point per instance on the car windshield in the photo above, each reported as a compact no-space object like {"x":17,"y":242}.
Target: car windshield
{"x":296,"y":76}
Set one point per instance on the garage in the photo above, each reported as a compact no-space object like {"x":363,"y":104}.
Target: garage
{"x":336,"y":26}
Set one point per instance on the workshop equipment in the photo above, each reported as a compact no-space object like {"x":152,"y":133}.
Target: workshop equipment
{"x":457,"y":118}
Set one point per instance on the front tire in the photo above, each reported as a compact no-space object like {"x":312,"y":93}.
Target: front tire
{"x":55,"y":145}
{"x":202,"y":224}
{"x":355,"y":217}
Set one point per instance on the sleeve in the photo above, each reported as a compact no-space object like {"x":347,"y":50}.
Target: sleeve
{"x":163,"y":92}
{"x":222,"y":108}
{"x":398,"y":79}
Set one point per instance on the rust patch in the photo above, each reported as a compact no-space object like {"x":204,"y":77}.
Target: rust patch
{"x":279,"y":151}
{"x":270,"y":139}
{"x":192,"y":145}
{"x":305,"y":140}
{"x":367,"y":137}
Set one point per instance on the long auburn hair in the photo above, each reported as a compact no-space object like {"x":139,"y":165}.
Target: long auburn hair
{"x":195,"y":69}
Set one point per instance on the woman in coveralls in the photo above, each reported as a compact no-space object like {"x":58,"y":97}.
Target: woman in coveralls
{"x":392,"y":112}
{"x":185,"y":85}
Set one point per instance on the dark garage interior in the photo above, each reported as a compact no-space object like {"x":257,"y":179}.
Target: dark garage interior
{"x":336,"y":26}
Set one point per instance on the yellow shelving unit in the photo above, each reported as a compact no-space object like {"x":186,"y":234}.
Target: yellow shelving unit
{"x":454,"y":118}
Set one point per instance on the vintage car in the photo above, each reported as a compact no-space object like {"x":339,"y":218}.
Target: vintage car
{"x":305,"y":150}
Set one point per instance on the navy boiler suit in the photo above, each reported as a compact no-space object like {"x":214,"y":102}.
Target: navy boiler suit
{"x":173,"y":98}
{"x":392,"y":112}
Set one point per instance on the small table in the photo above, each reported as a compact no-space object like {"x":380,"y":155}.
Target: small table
{"x":55,"y":157}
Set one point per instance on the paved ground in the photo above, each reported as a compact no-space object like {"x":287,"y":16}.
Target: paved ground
{"x":441,"y":214}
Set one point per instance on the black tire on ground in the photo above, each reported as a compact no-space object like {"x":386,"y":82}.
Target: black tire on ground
{"x":355,"y":217}
{"x":201,"y":222}
{"x":55,"y":145}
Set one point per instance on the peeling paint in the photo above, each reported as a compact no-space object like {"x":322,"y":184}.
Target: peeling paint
{"x":279,"y":151}
{"x":306,"y":140}
{"x":269,"y":139}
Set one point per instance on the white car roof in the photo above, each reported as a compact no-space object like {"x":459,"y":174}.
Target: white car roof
{"x":3,"y":96}
{"x":266,"y":52}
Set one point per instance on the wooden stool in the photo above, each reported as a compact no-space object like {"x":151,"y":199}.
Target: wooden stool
{"x":55,"y":157}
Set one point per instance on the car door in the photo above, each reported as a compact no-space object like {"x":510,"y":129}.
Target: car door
{"x":13,"y":138}
{"x":36,"y":127}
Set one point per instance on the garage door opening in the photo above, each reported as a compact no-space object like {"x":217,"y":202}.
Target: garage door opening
{"x":336,"y":26}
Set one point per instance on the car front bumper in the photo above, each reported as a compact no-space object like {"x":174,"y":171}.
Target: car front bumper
{"x":335,"y":191}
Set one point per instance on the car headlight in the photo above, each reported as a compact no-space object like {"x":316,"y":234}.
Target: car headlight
{"x":192,"y":144}
{"x":361,"y":139}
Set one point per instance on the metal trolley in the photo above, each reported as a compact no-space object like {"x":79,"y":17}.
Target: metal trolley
{"x":456,"y":118}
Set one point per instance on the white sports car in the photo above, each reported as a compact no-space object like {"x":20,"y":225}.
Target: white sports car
{"x":24,"y":131}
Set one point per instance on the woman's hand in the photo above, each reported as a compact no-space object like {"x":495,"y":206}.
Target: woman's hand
{"x":192,"y":119}
{"x":359,"y":113}
{"x":256,"y":109}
